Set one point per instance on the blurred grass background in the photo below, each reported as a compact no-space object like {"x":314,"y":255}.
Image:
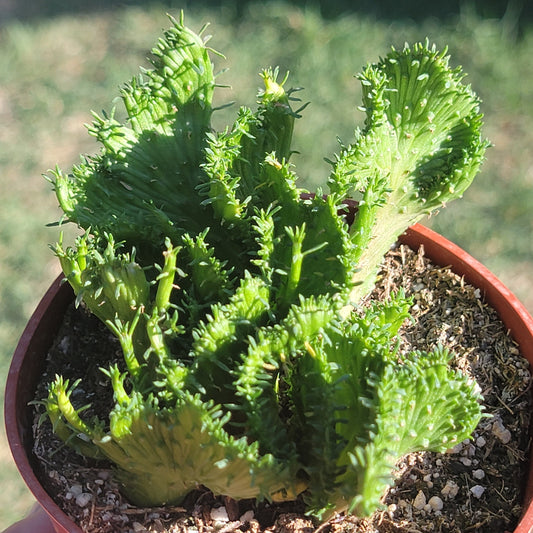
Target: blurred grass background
{"x":59,"y":60}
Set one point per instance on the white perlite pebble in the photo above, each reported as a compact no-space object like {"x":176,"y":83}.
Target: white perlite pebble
{"x":456,"y":449}
{"x":470,"y":450}
{"x":219,"y":514}
{"x":436,"y":503}
{"x":83,"y":499}
{"x":450,"y":490}
{"x":500,"y":431}
{"x":420,"y":500}
{"x":480,"y":442}
{"x":247,"y":516}
{"x":477,"y":491}
{"x":75,"y":490}
{"x":478,"y":474}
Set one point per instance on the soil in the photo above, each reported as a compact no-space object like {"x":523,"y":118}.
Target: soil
{"x":475,"y":487}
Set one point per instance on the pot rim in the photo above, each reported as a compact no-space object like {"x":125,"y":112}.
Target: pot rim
{"x":439,"y":249}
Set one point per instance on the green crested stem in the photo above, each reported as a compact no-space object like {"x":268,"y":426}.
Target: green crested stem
{"x":125,"y":190}
{"x":218,"y":342}
{"x":66,"y":421}
{"x":111,"y":284}
{"x":158,"y":342}
{"x":223,"y":155}
{"x":264,"y":228}
{"x":421,"y":143}
{"x":162,"y":455}
{"x":421,"y":404}
{"x":117,"y":382}
{"x":278,"y":118}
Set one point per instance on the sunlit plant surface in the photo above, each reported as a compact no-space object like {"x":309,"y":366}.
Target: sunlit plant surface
{"x":250,"y":367}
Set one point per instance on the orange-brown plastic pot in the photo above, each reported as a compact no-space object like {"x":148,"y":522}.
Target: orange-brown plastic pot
{"x":29,"y":359}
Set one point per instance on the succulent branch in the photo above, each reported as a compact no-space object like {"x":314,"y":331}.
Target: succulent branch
{"x":249,"y":368}
{"x":420,"y":148}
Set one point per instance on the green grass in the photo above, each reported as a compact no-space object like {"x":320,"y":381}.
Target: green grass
{"x":53,"y":71}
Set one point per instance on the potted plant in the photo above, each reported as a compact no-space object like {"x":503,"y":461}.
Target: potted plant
{"x":248,"y":364}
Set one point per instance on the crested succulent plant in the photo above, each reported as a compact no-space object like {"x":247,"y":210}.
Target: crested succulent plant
{"x":250,"y":368}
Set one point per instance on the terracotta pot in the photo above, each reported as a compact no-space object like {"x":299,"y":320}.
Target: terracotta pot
{"x":29,"y":359}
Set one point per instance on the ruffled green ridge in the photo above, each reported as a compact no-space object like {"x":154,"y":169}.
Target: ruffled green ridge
{"x":232,"y":292}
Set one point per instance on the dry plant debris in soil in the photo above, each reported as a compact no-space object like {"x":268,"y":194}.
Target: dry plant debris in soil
{"x":476,"y":486}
